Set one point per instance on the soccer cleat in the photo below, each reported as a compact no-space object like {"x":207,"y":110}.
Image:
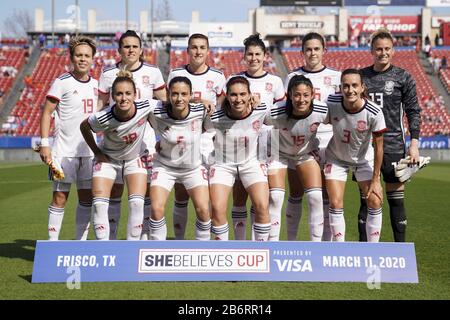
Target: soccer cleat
{"x":404,"y":170}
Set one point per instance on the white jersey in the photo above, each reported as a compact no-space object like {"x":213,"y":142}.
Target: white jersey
{"x":147,"y":78}
{"x":236,"y":140}
{"x":296,"y":135}
{"x":123,"y":139}
{"x":352,"y":132}
{"x":268,"y":87}
{"x":208,"y":85}
{"x":180,"y":138}
{"x":76,"y":100}
{"x":325,"y":82}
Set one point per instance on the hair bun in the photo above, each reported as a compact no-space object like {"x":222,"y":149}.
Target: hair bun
{"x":125,"y":74}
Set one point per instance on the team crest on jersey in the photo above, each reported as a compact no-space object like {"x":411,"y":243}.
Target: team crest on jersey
{"x":256,"y":125}
{"x":142,"y":121}
{"x":95,"y":92}
{"x":389,"y":87}
{"x":313,"y":127}
{"x":361,"y":126}
{"x":209,"y":84}
{"x":269,"y":86}
{"x":75,"y":92}
{"x":327,"y":81}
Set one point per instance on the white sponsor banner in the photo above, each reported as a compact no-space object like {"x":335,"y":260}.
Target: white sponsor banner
{"x":438,"y":3}
{"x":203,"y":260}
{"x":436,"y":21}
{"x":299,"y":24}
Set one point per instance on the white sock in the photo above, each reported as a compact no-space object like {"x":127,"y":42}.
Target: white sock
{"x":83,"y":220}
{"x":262,"y":231}
{"x":135,"y":216}
{"x":293,"y":216}
{"x":220,"y":232}
{"x":100,"y":218}
{"x":114,"y":217}
{"x":203,"y":230}
{"x":158,"y":229}
{"x":145,"y":235}
{"x":276,"y":198}
{"x":180,"y":215}
{"x":55,"y":218}
{"x":252,"y":220}
{"x":337,"y":224}
{"x":327,"y":235}
{"x":239,"y":217}
{"x":373,"y":224}
{"x":315,"y":215}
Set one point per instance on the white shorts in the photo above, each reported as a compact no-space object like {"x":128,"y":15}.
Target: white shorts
{"x":76,"y":170}
{"x":207,"y":148}
{"x":267,"y":148}
{"x":165,"y":177}
{"x":283,"y":163}
{"x":250,"y":173}
{"x":111,"y":170}
{"x":334,"y":170}
{"x":324,"y":135}
{"x":146,"y":161}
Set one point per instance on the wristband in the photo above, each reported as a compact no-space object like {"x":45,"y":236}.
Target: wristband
{"x":45,"y":142}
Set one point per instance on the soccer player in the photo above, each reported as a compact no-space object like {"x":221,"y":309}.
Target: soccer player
{"x":71,"y":98}
{"x":123,"y":126}
{"x":149,"y":82}
{"x":269,"y":89}
{"x":296,"y":122}
{"x":394,"y":89}
{"x":355,"y":122}
{"x":180,"y":125}
{"x":326,"y":81}
{"x":207,"y":87}
{"x":237,"y":126}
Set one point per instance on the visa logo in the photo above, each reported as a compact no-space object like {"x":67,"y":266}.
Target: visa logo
{"x":290,"y":265}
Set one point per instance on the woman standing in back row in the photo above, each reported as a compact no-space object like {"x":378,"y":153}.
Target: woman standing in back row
{"x":326,"y":81}
{"x":269,"y":89}
{"x":149,"y":83}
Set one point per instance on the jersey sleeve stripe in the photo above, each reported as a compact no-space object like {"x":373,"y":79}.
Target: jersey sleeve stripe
{"x":279,"y":99}
{"x":101,"y":91}
{"x":104,"y":119}
{"x":372,"y":110}
{"x":381,"y":131}
{"x":53,"y":97}
{"x":64,"y":76}
{"x":160,"y":87}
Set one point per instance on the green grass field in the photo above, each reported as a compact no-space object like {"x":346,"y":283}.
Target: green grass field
{"x":25,"y":195}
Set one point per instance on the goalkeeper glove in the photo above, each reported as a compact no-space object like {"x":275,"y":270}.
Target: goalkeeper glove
{"x":55,"y":167}
{"x":404,"y":169}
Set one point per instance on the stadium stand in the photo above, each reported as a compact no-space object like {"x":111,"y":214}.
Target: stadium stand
{"x":435,"y":117}
{"x":52,"y":63}
{"x":11,"y":62}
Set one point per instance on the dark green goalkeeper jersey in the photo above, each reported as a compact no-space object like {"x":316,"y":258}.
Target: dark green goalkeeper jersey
{"x":395,"y":91}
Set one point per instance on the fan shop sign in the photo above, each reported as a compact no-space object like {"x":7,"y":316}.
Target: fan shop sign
{"x":395,"y":24}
